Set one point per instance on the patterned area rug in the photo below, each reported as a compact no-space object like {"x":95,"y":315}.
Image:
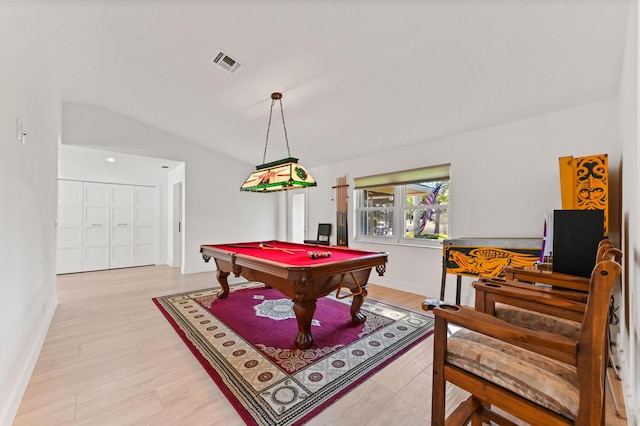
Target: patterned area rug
{"x":246,"y":344}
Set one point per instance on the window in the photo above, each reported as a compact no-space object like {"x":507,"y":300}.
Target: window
{"x":408,"y":207}
{"x":376,"y":212}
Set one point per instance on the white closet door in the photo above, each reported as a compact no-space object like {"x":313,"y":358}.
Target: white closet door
{"x":121,"y":254}
{"x":69,"y":227}
{"x":96,"y":226}
{"x":145,"y":225}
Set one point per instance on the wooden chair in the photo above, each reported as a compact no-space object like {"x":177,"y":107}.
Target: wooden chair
{"x":324,"y":235}
{"x":530,"y":374}
{"x":556,"y":308}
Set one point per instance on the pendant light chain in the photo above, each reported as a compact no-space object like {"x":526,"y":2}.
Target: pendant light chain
{"x":274,"y":97}
{"x":285,"y":129}
{"x":266,"y":142}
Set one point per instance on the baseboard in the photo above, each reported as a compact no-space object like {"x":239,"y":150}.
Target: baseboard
{"x":11,"y":408}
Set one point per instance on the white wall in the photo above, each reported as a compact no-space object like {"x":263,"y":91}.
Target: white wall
{"x":28,"y":199}
{"x":211,"y":191}
{"x":629,"y":336}
{"x":503,"y":180}
{"x":82,"y":164}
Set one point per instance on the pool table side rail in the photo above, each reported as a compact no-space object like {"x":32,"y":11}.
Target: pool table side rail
{"x":296,"y":273}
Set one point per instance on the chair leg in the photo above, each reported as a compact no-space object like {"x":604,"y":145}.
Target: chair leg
{"x":439,"y":382}
{"x":615,"y":371}
{"x":613,"y":396}
{"x":611,"y":360}
{"x":476,"y":420}
{"x":470,"y":410}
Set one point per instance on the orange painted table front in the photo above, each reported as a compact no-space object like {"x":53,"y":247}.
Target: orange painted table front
{"x":486,"y":257}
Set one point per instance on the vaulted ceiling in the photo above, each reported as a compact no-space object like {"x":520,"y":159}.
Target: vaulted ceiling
{"x":355,"y":75}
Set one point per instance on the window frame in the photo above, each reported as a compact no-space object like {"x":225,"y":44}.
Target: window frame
{"x":362,"y":207}
{"x":399,"y":181}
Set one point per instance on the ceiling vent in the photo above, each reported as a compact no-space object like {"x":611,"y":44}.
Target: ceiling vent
{"x":226,"y":62}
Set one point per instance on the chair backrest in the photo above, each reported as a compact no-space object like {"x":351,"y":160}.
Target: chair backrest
{"x":324,"y":233}
{"x":603,"y":246}
{"x":557,"y":279}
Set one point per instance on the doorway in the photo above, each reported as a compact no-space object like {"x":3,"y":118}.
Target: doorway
{"x":177,"y":225}
{"x":298,"y":217}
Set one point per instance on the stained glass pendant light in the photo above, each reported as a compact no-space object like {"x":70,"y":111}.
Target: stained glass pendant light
{"x":280,"y":175}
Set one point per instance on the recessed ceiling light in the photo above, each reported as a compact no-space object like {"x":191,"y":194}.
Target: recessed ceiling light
{"x":111,"y":159}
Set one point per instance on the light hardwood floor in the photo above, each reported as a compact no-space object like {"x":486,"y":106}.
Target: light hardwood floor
{"x":110,"y":358}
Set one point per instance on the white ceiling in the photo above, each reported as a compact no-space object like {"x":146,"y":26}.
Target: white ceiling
{"x":356,"y":75}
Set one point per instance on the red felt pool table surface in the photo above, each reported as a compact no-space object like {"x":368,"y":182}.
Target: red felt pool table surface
{"x":300,"y":256}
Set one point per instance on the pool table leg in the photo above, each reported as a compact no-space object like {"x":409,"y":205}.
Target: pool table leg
{"x":222,"y":279}
{"x":304,"y":314}
{"x":357,"y":316}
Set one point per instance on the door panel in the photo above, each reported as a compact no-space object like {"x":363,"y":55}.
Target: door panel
{"x":69,"y":227}
{"x":122,"y":226}
{"x":95,"y":254}
{"x":145,"y":226}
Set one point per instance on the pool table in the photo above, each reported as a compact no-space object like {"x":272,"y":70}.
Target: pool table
{"x":290,"y":269}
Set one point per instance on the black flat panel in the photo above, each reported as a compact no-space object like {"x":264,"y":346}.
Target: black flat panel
{"x":576,"y":235}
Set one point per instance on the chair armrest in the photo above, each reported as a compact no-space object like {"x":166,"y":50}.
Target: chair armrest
{"x":566,"y":294}
{"x":551,"y":345}
{"x":488,"y":293}
{"x":552,"y":278}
